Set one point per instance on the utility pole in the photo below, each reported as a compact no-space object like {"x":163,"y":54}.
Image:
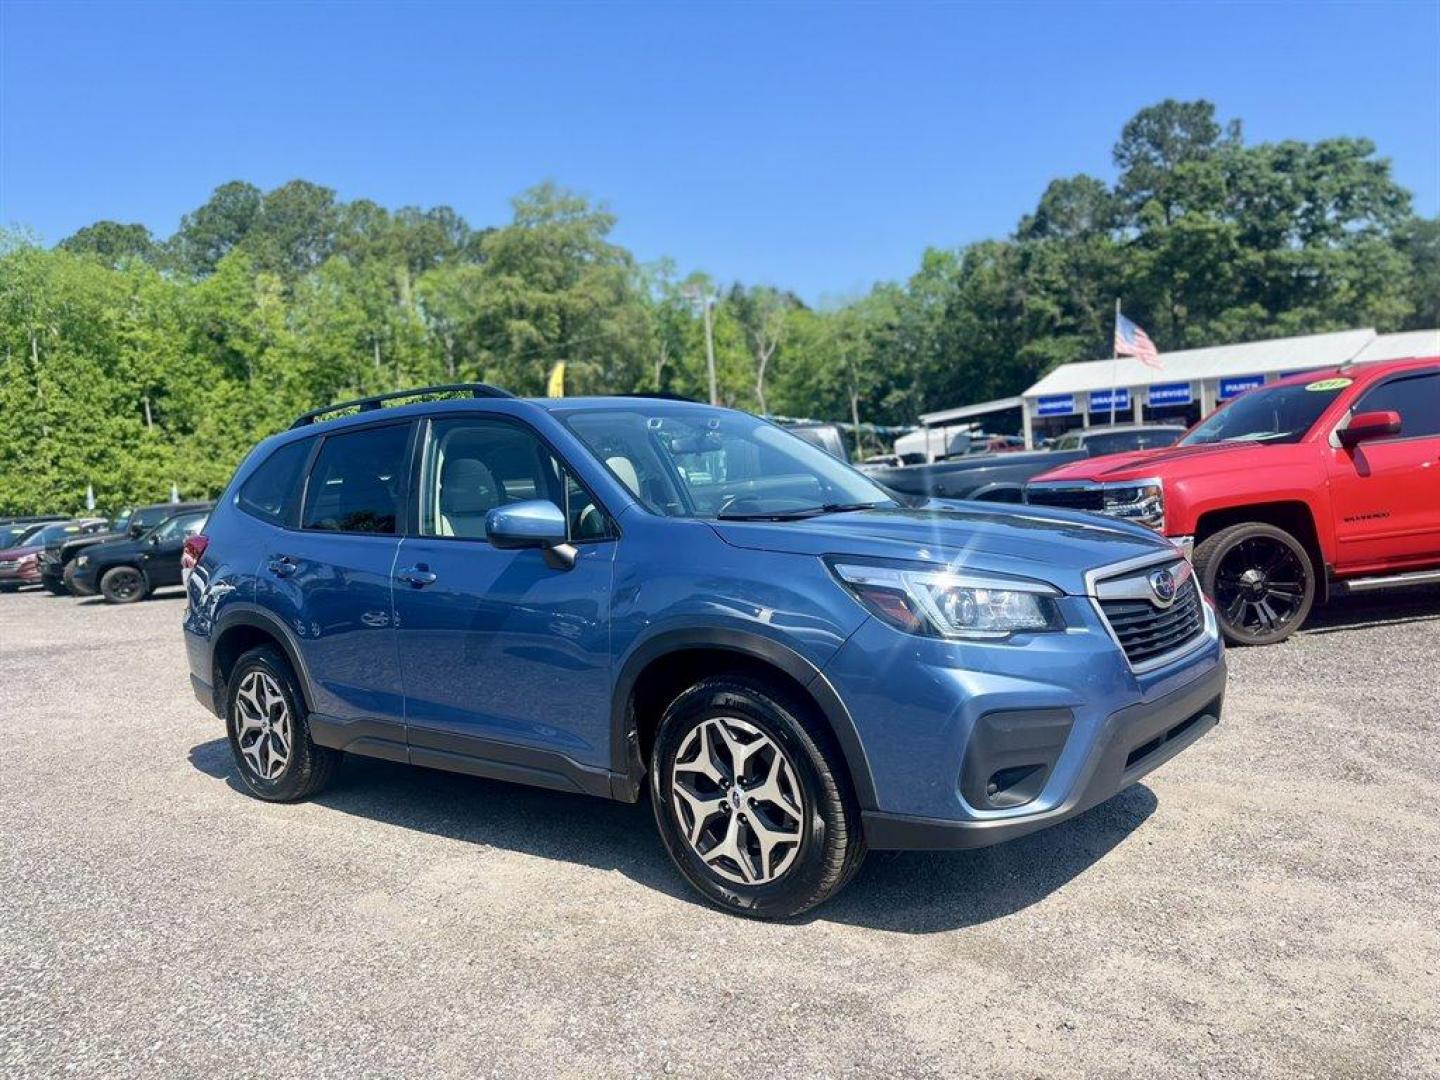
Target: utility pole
{"x":706,"y":301}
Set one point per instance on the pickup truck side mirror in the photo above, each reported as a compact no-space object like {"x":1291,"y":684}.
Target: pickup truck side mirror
{"x":1369,"y":425}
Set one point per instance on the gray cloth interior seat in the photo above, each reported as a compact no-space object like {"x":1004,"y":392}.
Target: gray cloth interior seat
{"x":467,"y":493}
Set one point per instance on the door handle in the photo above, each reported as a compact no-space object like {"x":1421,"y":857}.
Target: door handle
{"x":282,"y":566}
{"x":418,"y":576}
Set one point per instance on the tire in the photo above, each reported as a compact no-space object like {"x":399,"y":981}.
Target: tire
{"x":1261,"y":579}
{"x":306,"y":768}
{"x":123,"y":585}
{"x":791,"y":877}
{"x":67,"y":576}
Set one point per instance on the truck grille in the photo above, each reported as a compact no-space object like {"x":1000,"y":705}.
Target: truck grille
{"x":1146,"y":631}
{"x":1067,"y":498}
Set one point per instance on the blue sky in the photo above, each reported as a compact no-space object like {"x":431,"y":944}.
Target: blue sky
{"x":816,"y":147}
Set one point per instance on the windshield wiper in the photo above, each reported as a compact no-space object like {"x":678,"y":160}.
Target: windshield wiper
{"x":800,"y":515}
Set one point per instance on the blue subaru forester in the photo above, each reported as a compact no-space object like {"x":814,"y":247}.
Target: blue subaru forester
{"x":585,"y":593}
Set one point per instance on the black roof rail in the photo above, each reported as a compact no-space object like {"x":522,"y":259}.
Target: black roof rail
{"x":369,"y":404}
{"x":658,"y":395}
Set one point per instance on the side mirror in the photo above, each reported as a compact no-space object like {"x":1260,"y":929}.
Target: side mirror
{"x":153,"y":541}
{"x":534,"y":523}
{"x":1369,"y":425}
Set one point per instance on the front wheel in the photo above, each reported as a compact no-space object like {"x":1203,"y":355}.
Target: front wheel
{"x":123,"y":585}
{"x":1261,"y":579}
{"x":751,"y":800}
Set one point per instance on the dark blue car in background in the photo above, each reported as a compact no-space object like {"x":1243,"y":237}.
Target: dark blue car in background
{"x":600,"y":595}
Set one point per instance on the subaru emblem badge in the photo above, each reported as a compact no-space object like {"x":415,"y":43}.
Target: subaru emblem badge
{"x":1162,"y":584}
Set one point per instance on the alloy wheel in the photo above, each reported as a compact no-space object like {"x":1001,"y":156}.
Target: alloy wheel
{"x":262,"y":725}
{"x":1260,"y":587}
{"x":737,"y":801}
{"x":125,"y":584}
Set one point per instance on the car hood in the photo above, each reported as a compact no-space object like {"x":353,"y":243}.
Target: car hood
{"x":118,"y":547}
{"x":75,"y":543}
{"x":1056,"y":546}
{"x":1171,"y":461}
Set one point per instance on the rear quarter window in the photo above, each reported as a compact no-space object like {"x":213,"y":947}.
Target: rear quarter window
{"x":273,"y":490}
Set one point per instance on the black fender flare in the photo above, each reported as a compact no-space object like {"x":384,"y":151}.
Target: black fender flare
{"x":246,"y":614}
{"x":624,"y":751}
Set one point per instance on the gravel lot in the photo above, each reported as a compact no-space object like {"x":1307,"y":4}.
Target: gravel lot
{"x":1266,"y":904}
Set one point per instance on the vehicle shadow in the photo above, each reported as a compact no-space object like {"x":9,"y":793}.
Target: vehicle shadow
{"x":913,"y":892}
{"x":165,"y":592}
{"x":1394,"y":607}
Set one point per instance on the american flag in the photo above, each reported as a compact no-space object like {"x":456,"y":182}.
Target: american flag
{"x":1130,"y":340}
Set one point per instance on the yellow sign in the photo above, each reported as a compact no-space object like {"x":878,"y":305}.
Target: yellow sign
{"x":556,"y":386}
{"x":1328,"y":384}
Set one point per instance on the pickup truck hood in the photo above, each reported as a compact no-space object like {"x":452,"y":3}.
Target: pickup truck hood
{"x":1172,"y":462}
{"x":73,"y":544}
{"x":1056,"y":546}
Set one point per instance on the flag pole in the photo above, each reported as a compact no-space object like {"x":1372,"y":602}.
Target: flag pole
{"x":1114,"y":363}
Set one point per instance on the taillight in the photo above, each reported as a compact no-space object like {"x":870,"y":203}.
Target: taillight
{"x":194,"y":549}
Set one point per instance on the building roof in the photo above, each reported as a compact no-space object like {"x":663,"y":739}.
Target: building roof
{"x":964,"y":412}
{"x":1401,"y":346}
{"x":1278,"y":356}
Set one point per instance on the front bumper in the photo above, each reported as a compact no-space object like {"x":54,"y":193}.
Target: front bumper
{"x":1132,"y":742}
{"x":15,"y":576}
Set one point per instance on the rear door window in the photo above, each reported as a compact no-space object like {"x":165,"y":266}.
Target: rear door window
{"x":358,"y":482}
{"x":273,"y":490}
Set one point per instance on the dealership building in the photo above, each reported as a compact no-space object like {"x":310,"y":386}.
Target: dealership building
{"x":1191,"y":383}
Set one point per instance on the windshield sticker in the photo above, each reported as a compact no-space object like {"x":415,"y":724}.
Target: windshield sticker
{"x":1328,"y":384}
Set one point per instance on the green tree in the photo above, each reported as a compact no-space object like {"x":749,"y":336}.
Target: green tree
{"x":214,"y":230}
{"x":112,"y":242}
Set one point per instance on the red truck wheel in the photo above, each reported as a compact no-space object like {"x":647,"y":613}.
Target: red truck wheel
{"x":1261,"y":579}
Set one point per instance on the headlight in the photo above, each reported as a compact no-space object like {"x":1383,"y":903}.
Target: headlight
{"x":1140,"y":501}
{"x":950,"y":604}
{"x":81,"y":560}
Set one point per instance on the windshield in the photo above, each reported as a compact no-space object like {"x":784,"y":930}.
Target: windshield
{"x":50,"y":533}
{"x":1278,"y":414}
{"x":14,"y":535}
{"x":121,"y":523}
{"x":1118,"y":442}
{"x":688,"y":462}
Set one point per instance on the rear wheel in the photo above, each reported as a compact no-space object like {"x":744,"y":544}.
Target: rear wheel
{"x":1261,"y":579}
{"x":269,"y":730}
{"x":123,"y":585}
{"x":751,"y":801}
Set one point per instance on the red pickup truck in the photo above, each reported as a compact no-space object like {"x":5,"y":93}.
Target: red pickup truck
{"x":1316,"y":484}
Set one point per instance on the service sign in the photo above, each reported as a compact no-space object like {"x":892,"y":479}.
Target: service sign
{"x":1176,"y":393}
{"x":1237,"y":385}
{"x":1055,"y":405}
{"x":1109,"y":400}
